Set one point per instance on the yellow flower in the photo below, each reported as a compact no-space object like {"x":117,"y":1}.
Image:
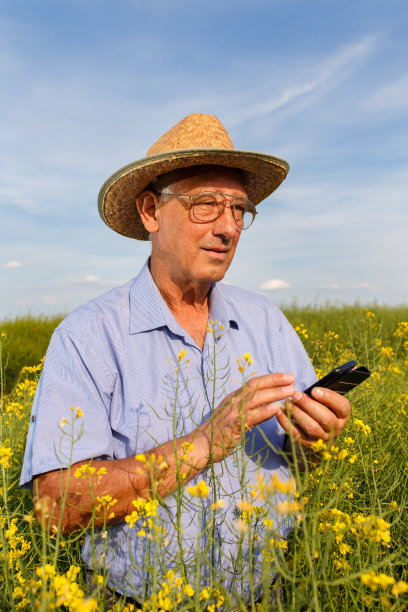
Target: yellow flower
{"x":79,"y":413}
{"x":360,"y":426}
{"x":399,"y":588}
{"x":187,"y":446}
{"x":318,"y":446}
{"x":386,"y":351}
{"x":402,"y":329}
{"x":181,"y":354}
{"x":46,"y":571}
{"x":87,"y":605}
{"x":84,"y":469}
{"x":204,"y":594}
{"x":105,"y":501}
{"x":220,"y":503}
{"x":373,"y":580}
{"x":145,"y":508}
{"x":141,"y":458}
{"x":5,"y":456}
{"x":286,"y":486}
{"x":342,"y":454}
{"x":287,"y":507}
{"x":64,"y":422}
{"x":201,"y":489}
{"x":344,"y":548}
{"x":188,"y":590}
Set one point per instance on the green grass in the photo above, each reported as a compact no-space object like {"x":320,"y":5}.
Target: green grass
{"x":354,"y":517}
{"x":28,"y":338}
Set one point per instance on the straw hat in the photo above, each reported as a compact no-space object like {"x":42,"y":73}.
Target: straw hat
{"x":195,"y":140}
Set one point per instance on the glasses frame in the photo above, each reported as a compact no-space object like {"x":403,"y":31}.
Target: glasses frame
{"x":222,"y":205}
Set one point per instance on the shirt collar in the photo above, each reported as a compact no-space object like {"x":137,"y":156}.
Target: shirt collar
{"x":149,"y":311}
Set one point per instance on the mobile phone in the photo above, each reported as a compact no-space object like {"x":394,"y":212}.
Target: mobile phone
{"x":342,"y":379}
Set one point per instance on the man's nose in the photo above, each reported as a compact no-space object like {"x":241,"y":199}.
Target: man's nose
{"x":225,"y":223}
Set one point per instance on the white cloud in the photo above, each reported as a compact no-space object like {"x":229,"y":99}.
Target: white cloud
{"x":275,"y":283}
{"x":13,"y":264}
{"x":326,"y":75}
{"x":91,"y":278}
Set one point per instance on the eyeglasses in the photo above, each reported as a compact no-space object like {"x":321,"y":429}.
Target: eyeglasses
{"x":207,"y":206}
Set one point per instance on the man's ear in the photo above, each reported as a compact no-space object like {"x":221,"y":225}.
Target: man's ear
{"x":146,"y":205}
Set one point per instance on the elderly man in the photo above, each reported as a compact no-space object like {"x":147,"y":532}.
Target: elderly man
{"x":153,"y":368}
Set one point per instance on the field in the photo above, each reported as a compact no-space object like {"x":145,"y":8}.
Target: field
{"x":349,"y":546}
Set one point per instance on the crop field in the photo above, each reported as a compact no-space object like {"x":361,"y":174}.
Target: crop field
{"x":348,"y":546}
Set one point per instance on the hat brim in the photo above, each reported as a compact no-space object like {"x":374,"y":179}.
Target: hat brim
{"x":117,"y":197}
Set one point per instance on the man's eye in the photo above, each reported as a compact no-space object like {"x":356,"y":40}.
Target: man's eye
{"x":205,"y":201}
{"x":205,"y":208}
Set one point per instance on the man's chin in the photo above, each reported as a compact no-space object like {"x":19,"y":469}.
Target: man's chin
{"x":217,"y":274}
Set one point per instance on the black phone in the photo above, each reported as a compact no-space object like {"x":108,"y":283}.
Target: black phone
{"x":342,"y":379}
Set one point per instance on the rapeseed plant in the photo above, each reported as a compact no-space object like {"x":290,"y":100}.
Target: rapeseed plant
{"x":348,"y":544}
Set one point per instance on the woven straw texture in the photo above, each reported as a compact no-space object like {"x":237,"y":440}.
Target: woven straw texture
{"x":195,"y":140}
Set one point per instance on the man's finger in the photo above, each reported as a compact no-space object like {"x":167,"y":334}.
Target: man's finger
{"x":265,"y":396}
{"x":328,"y":411}
{"x":336,"y":402}
{"x":261,"y":414}
{"x":323,"y":424}
{"x":269,"y":381}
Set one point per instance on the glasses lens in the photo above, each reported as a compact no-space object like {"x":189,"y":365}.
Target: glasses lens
{"x":207,"y":206}
{"x":244,"y":212}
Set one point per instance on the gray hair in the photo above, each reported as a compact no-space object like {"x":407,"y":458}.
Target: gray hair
{"x":164,"y":183}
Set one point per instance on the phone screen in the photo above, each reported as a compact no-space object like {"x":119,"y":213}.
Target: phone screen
{"x":342,"y":379}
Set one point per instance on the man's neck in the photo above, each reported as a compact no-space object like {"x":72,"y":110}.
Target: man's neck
{"x":179,"y":296}
{"x":189,"y":304}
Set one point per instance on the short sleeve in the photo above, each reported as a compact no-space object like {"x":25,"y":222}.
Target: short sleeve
{"x":74,"y":377}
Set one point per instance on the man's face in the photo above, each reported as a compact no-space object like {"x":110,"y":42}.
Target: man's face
{"x":193,"y":252}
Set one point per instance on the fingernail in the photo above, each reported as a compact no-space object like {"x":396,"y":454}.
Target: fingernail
{"x":289,"y":389}
{"x":288,"y":377}
{"x":317,"y":392}
{"x":296,"y":396}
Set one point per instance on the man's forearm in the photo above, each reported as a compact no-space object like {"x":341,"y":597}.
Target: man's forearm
{"x":69,"y":502}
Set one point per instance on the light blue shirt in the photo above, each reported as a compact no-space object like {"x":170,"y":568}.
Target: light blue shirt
{"x":115,"y":358}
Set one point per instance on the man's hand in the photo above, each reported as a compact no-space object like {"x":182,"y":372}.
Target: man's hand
{"x":243,"y":409}
{"x":323,"y":416}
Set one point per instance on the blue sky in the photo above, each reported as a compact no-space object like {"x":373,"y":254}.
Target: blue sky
{"x":89,"y":85}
